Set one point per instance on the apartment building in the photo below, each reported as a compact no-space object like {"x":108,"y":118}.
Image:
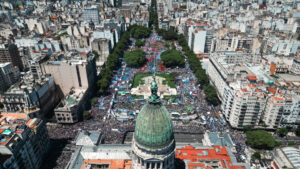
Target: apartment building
{"x":274,"y":110}
{"x":285,"y":48}
{"x":91,"y":14}
{"x":70,"y":109}
{"x":201,"y":40}
{"x":224,"y":68}
{"x":12,"y":55}
{"x":282,"y":110}
{"x":291,"y":114}
{"x":29,"y":93}
{"x":296,"y":66}
{"x":8,"y":75}
{"x":23,"y":143}
{"x":75,"y":74}
{"x":232,"y":43}
{"x":103,"y":47}
{"x":72,"y":71}
{"x":246,"y":107}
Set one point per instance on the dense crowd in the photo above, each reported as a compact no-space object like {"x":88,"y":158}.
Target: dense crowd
{"x":190,"y":100}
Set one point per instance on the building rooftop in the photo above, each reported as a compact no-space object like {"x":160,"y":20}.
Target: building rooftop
{"x":289,"y":77}
{"x":180,"y":138}
{"x":4,"y":64}
{"x":12,"y":124}
{"x":220,"y":139}
{"x":29,"y":83}
{"x":88,"y":138}
{"x":293,"y":155}
{"x":119,"y":156}
{"x":71,"y":99}
{"x":116,"y":154}
{"x":194,"y":158}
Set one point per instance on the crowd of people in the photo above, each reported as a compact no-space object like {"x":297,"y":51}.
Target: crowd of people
{"x":190,"y":100}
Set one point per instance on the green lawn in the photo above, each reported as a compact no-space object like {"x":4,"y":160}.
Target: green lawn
{"x":138,"y":79}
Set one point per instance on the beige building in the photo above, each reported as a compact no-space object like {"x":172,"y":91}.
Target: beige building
{"x":70,"y":109}
{"x":274,"y":109}
{"x":225,"y":68}
{"x":103,"y":47}
{"x":247,"y":107}
{"x":31,"y":94}
{"x":75,"y":74}
{"x":72,"y":73}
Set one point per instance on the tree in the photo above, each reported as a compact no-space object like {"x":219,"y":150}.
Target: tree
{"x":173,"y":75}
{"x":247,"y":128}
{"x":261,"y":139}
{"x":282,"y":132}
{"x":172,"y":58}
{"x":291,"y":143}
{"x":87,"y":115}
{"x":112,"y":62}
{"x":102,"y":85}
{"x":202,"y":77}
{"x":170,"y":34}
{"x":153,"y":20}
{"x":195,"y":65}
{"x":119,"y":3}
{"x":298,"y":131}
{"x":256,"y":156}
{"x":94,"y":101}
{"x":135,"y":58}
{"x":139,"y":43}
{"x":211,"y":95}
{"x":96,"y":54}
{"x":173,"y":45}
{"x":167,"y":45}
{"x":60,"y":35}
{"x":139,"y":32}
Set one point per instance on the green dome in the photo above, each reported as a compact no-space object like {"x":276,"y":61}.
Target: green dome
{"x":153,"y":129}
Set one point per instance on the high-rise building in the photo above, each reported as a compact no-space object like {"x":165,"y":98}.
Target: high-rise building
{"x":75,"y":74}
{"x":91,"y":14}
{"x":73,"y":71}
{"x":103,"y":47}
{"x":10,"y":53}
{"x":23,"y":143}
{"x":30,"y":94}
{"x":291,"y":115}
{"x":170,"y":5}
{"x":8,"y":75}
{"x":245,"y":108}
{"x":296,"y":66}
{"x":274,"y":110}
{"x":201,"y":41}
